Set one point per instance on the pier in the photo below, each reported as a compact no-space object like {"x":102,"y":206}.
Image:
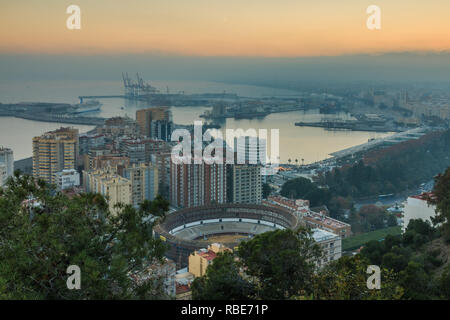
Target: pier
{"x":353,"y":125}
{"x":100,"y":97}
{"x":49,"y":117}
{"x":415,"y":133}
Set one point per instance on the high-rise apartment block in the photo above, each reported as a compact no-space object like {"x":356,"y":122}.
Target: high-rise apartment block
{"x":144,"y":182}
{"x":155,"y":122}
{"x":119,"y":126}
{"x":3,"y":175}
{"x":162,"y":161}
{"x":109,"y":184}
{"x":244,"y":183}
{"x":88,"y":142}
{"x":105,"y":161}
{"x":6,"y":164}
{"x":53,"y":152}
{"x":250,"y":149}
{"x":140,"y":150}
{"x":194,"y":185}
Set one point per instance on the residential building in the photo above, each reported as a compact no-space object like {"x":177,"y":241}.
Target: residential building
{"x":244,"y":183}
{"x":417,"y":207}
{"x":183,"y":281}
{"x":312,"y":219}
{"x":3,"y":174}
{"x":109,"y":184}
{"x":110,"y":160}
{"x":53,"y":152}
{"x":330,"y":243}
{"x":90,"y":141}
{"x":194,"y":185}
{"x":199,"y":260}
{"x":7,"y":159}
{"x":162,"y":273}
{"x":67,"y":179}
{"x":6,"y":164}
{"x":155,"y":122}
{"x":119,"y":126}
{"x":161,"y":160}
{"x":319,"y":220}
{"x":134,"y":150}
{"x":298,"y":206}
{"x":140,"y":150}
{"x":161,"y":129}
{"x":144,"y":182}
{"x":250,"y":150}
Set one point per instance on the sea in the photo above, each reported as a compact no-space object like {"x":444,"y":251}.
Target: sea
{"x":307,"y":143}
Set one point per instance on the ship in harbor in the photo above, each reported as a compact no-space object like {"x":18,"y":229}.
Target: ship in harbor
{"x":90,"y":106}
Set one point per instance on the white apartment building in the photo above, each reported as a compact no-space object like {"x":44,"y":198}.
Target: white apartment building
{"x":7,"y":161}
{"x":67,"y":179}
{"x":331,"y":245}
{"x":417,"y":207}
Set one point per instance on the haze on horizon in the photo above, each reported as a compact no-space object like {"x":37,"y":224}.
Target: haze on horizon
{"x":239,"y":40}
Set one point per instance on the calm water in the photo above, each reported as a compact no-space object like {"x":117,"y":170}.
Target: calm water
{"x":311,"y":144}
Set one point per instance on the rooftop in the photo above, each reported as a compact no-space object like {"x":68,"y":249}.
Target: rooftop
{"x":322,"y":235}
{"x":207,"y":254}
{"x":324,"y":220}
{"x":423,"y":196}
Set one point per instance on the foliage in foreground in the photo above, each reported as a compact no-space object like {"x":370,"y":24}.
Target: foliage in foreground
{"x":39,"y":239}
{"x":277,"y":265}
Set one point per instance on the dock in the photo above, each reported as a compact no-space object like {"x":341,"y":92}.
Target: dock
{"x":352,"y":125}
{"x":415,"y":133}
{"x":100,"y":97}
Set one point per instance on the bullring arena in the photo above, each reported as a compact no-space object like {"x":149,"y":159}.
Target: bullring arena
{"x":190,"y":229}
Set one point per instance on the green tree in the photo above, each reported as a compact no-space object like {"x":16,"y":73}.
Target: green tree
{"x":391,"y":221}
{"x":280,"y":263}
{"x":444,"y":284}
{"x":394,"y":261}
{"x":266,"y":190}
{"x":346,"y":279}
{"x":416,"y":281}
{"x":43,"y":232}
{"x":302,"y":188}
{"x":222,"y":281}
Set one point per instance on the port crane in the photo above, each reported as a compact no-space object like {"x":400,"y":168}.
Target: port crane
{"x":134,"y":89}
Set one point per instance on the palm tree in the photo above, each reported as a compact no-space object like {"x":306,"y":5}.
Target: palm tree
{"x":296,"y":162}
{"x":303,"y":162}
{"x":289,"y":160}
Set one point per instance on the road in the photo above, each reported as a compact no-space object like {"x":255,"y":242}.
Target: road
{"x":398,"y":198}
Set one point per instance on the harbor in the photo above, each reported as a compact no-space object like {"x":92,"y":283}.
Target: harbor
{"x":51,"y":112}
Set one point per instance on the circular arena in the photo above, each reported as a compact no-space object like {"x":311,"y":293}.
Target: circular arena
{"x":190,"y":229}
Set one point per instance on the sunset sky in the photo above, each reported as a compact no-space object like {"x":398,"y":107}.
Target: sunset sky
{"x":267,"y":28}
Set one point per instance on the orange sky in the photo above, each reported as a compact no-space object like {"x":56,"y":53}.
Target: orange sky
{"x":224,"y":28}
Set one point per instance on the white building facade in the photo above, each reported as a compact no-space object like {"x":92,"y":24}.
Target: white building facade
{"x":417,"y":207}
{"x":67,"y":179}
{"x":331,"y":245}
{"x":6,"y":164}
